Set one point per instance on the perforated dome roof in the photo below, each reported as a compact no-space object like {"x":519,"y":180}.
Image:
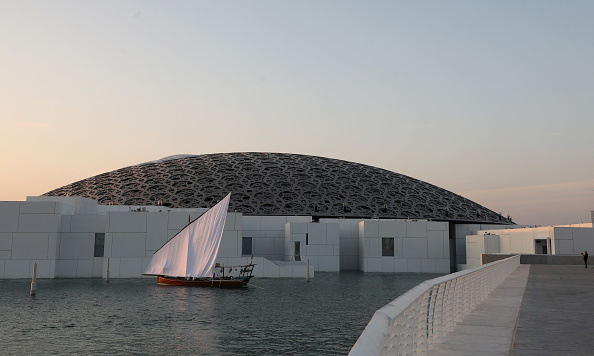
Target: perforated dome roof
{"x":279,"y":184}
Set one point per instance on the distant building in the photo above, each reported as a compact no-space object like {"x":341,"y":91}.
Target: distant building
{"x":285,"y":209}
{"x":549,"y":240}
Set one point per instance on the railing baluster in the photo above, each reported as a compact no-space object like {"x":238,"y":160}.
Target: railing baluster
{"x":423,"y":315}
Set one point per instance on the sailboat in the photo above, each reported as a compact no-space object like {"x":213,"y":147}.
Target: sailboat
{"x":189,"y":258}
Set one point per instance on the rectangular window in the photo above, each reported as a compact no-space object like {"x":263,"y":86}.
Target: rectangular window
{"x":246,"y":246}
{"x":307,"y":239}
{"x":99,"y":244}
{"x":387,"y":246}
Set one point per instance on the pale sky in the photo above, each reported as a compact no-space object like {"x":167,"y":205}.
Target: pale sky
{"x":492,"y":100}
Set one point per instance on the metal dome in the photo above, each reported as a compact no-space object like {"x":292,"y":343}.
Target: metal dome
{"x":279,"y":184}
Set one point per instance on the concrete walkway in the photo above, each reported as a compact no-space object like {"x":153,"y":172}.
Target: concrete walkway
{"x":489,"y":329}
{"x":555,"y":304}
{"x":557,"y":312}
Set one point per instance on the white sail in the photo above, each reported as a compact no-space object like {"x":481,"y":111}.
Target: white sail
{"x":193,"y":251}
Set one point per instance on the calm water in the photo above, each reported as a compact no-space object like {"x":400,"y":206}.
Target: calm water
{"x":135,"y":316}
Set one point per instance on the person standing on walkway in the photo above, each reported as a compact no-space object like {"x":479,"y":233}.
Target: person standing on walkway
{"x":585,"y":254}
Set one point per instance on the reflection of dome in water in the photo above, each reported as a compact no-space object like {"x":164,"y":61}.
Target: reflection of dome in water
{"x":279,"y":184}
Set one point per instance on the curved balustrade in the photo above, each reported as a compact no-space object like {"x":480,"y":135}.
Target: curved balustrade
{"x":420,"y":317}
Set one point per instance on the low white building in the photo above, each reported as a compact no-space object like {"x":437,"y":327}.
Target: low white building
{"x":551,"y":240}
{"x":404,"y":246}
{"x":73,"y":237}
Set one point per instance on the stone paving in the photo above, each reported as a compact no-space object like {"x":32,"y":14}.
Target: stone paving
{"x":537,"y":310}
{"x":557,"y":312}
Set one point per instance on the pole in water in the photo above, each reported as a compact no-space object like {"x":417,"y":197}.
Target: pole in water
{"x":307,"y":272}
{"x":107,"y":272}
{"x":34,"y":280}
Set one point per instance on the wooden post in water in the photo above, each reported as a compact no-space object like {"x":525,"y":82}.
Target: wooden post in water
{"x":34,"y":280}
{"x":107,"y":272}
{"x":307,"y":272}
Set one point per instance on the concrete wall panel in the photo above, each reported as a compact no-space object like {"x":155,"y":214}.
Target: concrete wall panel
{"x":9,"y":216}
{"x":370,"y":228}
{"x":251,"y":223}
{"x":392,"y":228}
{"x":320,"y":250}
{"x":565,"y":247}
{"x":563,"y":233}
{"x":98,"y":267}
{"x":270,"y":270}
{"x":264,"y":246}
{"x":352,"y":262}
{"x":328,"y":264}
{"x":442,"y":265}
{"x":332,"y":234}
{"x":238,"y":222}
{"x":428,"y":266}
{"x":374,"y":264}
{"x":230,"y":221}
{"x":583,"y":239}
{"x":401,"y":265}
{"x":156,"y":230}
{"x":88,"y":223}
{"x":415,"y":265}
{"x":298,"y":228}
{"x":38,"y":207}
{"x":415,"y":248}
{"x":130,"y":267}
{"x":230,"y":244}
{"x":84,"y":268}
{"x":435,"y":244}
{"x":437,"y":225}
{"x":5,"y":241}
{"x":66,"y":268}
{"x":492,"y":244}
{"x":317,"y":233}
{"x":516,"y":244}
{"x":30,"y":246}
{"x":388,"y":264}
{"x":527,"y":242}
{"x":16,"y":268}
{"x":275,"y":234}
{"x":349,"y":247}
{"x":77,"y":246}
{"x":505,"y":243}
{"x":114,"y":267}
{"x":273,"y":223}
{"x":39,"y":223}
{"x":66,"y":222}
{"x":375,"y":247}
{"x":416,"y":228}
{"x":279,"y":246}
{"x":2,"y":268}
{"x":128,"y":245}
{"x":127,"y":222}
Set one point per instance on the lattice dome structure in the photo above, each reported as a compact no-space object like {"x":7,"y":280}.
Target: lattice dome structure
{"x":279,"y":184}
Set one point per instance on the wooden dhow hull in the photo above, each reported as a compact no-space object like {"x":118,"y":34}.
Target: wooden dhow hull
{"x":205,"y":282}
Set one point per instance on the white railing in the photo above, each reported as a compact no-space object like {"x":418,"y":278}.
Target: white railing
{"x":420,"y":317}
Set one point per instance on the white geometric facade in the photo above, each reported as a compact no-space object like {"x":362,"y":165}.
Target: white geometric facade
{"x":549,"y":240}
{"x":418,"y":246}
{"x":73,"y":237}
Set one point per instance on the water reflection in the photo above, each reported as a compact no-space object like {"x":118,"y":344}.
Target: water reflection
{"x":135,"y":316}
